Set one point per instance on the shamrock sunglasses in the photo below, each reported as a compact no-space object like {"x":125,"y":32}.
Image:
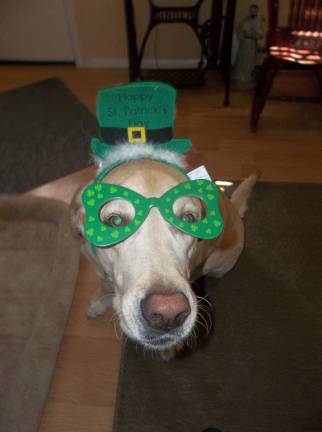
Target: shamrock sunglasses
{"x":102,"y":234}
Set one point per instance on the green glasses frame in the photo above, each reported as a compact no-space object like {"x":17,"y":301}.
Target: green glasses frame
{"x":100,"y":234}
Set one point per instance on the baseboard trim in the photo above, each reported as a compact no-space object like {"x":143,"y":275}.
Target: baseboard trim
{"x":146,"y":64}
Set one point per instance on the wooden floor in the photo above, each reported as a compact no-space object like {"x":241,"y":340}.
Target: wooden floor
{"x":287,"y":147}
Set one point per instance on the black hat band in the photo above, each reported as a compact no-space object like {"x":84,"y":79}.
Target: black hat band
{"x":136,"y":134}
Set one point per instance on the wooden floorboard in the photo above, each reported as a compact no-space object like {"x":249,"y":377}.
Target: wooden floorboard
{"x":287,"y":147}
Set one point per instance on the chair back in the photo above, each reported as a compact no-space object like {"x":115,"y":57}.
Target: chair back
{"x":304,"y":20}
{"x":306,"y":16}
{"x":272,"y":21}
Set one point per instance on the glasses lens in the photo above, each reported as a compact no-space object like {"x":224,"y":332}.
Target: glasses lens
{"x":117,"y":213}
{"x":189,"y":209}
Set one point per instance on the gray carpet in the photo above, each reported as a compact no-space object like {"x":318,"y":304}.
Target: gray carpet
{"x":39,"y":260}
{"x":262,"y":368}
{"x":44,"y":134}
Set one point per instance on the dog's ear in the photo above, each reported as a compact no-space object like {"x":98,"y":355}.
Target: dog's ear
{"x":77,"y":214}
{"x":241,"y":195}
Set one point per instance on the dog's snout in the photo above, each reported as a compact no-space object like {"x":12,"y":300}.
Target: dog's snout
{"x":165,"y":311}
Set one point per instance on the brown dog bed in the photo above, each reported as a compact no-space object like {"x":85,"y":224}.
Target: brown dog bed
{"x":39,"y":261}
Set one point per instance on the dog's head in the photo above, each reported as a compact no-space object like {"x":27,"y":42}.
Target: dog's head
{"x":150,"y":271}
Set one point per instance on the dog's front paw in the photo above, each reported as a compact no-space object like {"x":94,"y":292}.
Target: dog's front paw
{"x":94,"y":310}
{"x":98,"y":306}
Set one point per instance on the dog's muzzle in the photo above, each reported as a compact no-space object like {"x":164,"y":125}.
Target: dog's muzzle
{"x":163,"y":317}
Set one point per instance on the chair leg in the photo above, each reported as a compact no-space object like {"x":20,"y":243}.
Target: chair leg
{"x":318,"y":73}
{"x":263,"y":87}
{"x":227,"y":87}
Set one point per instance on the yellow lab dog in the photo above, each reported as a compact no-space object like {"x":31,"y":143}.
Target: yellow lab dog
{"x":147,"y":277}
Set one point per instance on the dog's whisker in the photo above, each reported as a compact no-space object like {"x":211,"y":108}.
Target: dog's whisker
{"x":125,"y":341}
{"x":115,"y":324}
{"x":201,"y":300}
{"x":207,"y":303}
{"x":202,"y":297}
{"x":195,"y":332}
{"x":188,"y":342}
{"x":191,"y":339}
{"x":116,"y":332}
{"x":204,"y":324}
{"x":113,"y":316}
{"x":203,"y":308}
{"x":206,"y":316}
{"x":109,"y":294}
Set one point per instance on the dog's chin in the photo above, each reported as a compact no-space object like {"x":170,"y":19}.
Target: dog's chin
{"x":155,"y":342}
{"x":160,"y":343}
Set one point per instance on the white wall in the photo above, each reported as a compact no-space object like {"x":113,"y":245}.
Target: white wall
{"x":34,"y":30}
{"x":94,"y":31}
{"x":101,"y":26}
{"x":102,"y":33}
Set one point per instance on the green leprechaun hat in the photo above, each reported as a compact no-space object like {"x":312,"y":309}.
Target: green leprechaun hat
{"x":137,"y":113}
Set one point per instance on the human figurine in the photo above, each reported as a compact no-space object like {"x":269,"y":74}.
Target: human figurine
{"x":250,"y":30}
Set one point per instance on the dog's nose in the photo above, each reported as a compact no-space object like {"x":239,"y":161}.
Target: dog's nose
{"x":165,"y":311}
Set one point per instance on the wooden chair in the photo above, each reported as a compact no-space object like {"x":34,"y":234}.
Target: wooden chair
{"x":214,"y":37}
{"x":298,"y":46}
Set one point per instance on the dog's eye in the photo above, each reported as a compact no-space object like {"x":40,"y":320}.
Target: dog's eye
{"x":115,"y":220}
{"x":189,"y":217}
{"x":189,"y":209}
{"x":117,"y":213}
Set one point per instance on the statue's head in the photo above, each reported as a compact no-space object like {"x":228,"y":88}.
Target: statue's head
{"x":253,"y":10}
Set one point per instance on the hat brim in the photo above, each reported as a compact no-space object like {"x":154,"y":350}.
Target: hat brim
{"x":177,"y":145}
